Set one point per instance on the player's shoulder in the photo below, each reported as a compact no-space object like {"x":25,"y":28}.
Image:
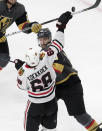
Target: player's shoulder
{"x":20,"y":7}
{"x":19,"y":4}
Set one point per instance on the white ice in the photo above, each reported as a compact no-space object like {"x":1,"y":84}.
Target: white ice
{"x":83,"y":45}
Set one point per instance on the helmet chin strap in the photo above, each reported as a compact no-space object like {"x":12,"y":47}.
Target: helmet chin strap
{"x":48,"y":44}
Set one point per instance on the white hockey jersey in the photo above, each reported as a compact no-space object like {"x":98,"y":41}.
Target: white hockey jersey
{"x":40,"y":81}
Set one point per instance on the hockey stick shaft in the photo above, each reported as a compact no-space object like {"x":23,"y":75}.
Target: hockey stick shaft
{"x":16,"y":32}
{"x":73,"y":13}
{"x":89,"y":8}
{"x":11,"y":61}
{"x":1,"y":59}
{"x":96,"y":127}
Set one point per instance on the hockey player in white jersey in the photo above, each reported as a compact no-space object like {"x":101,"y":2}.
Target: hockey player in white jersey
{"x":37,"y":77}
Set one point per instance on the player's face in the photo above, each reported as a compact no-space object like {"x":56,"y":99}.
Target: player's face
{"x":12,"y":1}
{"x":43,"y":42}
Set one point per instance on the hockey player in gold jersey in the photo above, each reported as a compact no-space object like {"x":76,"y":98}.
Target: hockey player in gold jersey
{"x":12,"y":11}
{"x":38,"y":77}
{"x":68,"y":83}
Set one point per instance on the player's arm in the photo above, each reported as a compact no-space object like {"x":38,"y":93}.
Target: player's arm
{"x":58,"y":41}
{"x":3,"y":6}
{"x":23,"y":23}
{"x":21,"y":79}
{"x":55,"y":47}
{"x":61,"y":25}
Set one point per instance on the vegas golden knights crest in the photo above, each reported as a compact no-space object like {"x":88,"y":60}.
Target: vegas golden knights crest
{"x":4,"y":23}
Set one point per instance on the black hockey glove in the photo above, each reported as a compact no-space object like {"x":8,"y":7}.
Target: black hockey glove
{"x":18,"y":63}
{"x":63,"y":20}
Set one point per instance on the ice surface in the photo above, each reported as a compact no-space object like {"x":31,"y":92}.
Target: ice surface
{"x":83,"y":45}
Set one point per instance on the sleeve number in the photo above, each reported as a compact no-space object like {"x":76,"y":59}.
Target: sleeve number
{"x":50,"y":52}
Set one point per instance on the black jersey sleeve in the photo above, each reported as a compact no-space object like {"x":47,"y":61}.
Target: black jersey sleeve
{"x":2,"y":6}
{"x":21,"y":19}
{"x":23,"y":22}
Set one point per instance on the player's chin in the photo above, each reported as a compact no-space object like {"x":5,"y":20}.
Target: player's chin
{"x":42,"y":46}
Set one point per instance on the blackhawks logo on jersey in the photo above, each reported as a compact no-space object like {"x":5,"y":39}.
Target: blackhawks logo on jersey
{"x":21,"y":71}
{"x":42,"y":55}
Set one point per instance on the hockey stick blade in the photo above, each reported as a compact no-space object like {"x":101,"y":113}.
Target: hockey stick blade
{"x":89,"y":8}
{"x":96,"y":127}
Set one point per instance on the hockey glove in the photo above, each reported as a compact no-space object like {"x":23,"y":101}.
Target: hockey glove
{"x":36,"y":27}
{"x":63,"y":20}
{"x":18,"y":63}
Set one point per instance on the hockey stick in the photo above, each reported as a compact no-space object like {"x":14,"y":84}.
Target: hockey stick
{"x":11,"y":61}
{"x":96,"y":127}
{"x":7,"y":60}
{"x":89,"y":8}
{"x":73,"y":13}
{"x":16,"y":32}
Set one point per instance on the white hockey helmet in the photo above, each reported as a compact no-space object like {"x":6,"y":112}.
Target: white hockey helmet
{"x":32,"y":57}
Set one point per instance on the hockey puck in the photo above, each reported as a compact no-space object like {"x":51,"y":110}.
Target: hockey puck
{"x":73,"y":9}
